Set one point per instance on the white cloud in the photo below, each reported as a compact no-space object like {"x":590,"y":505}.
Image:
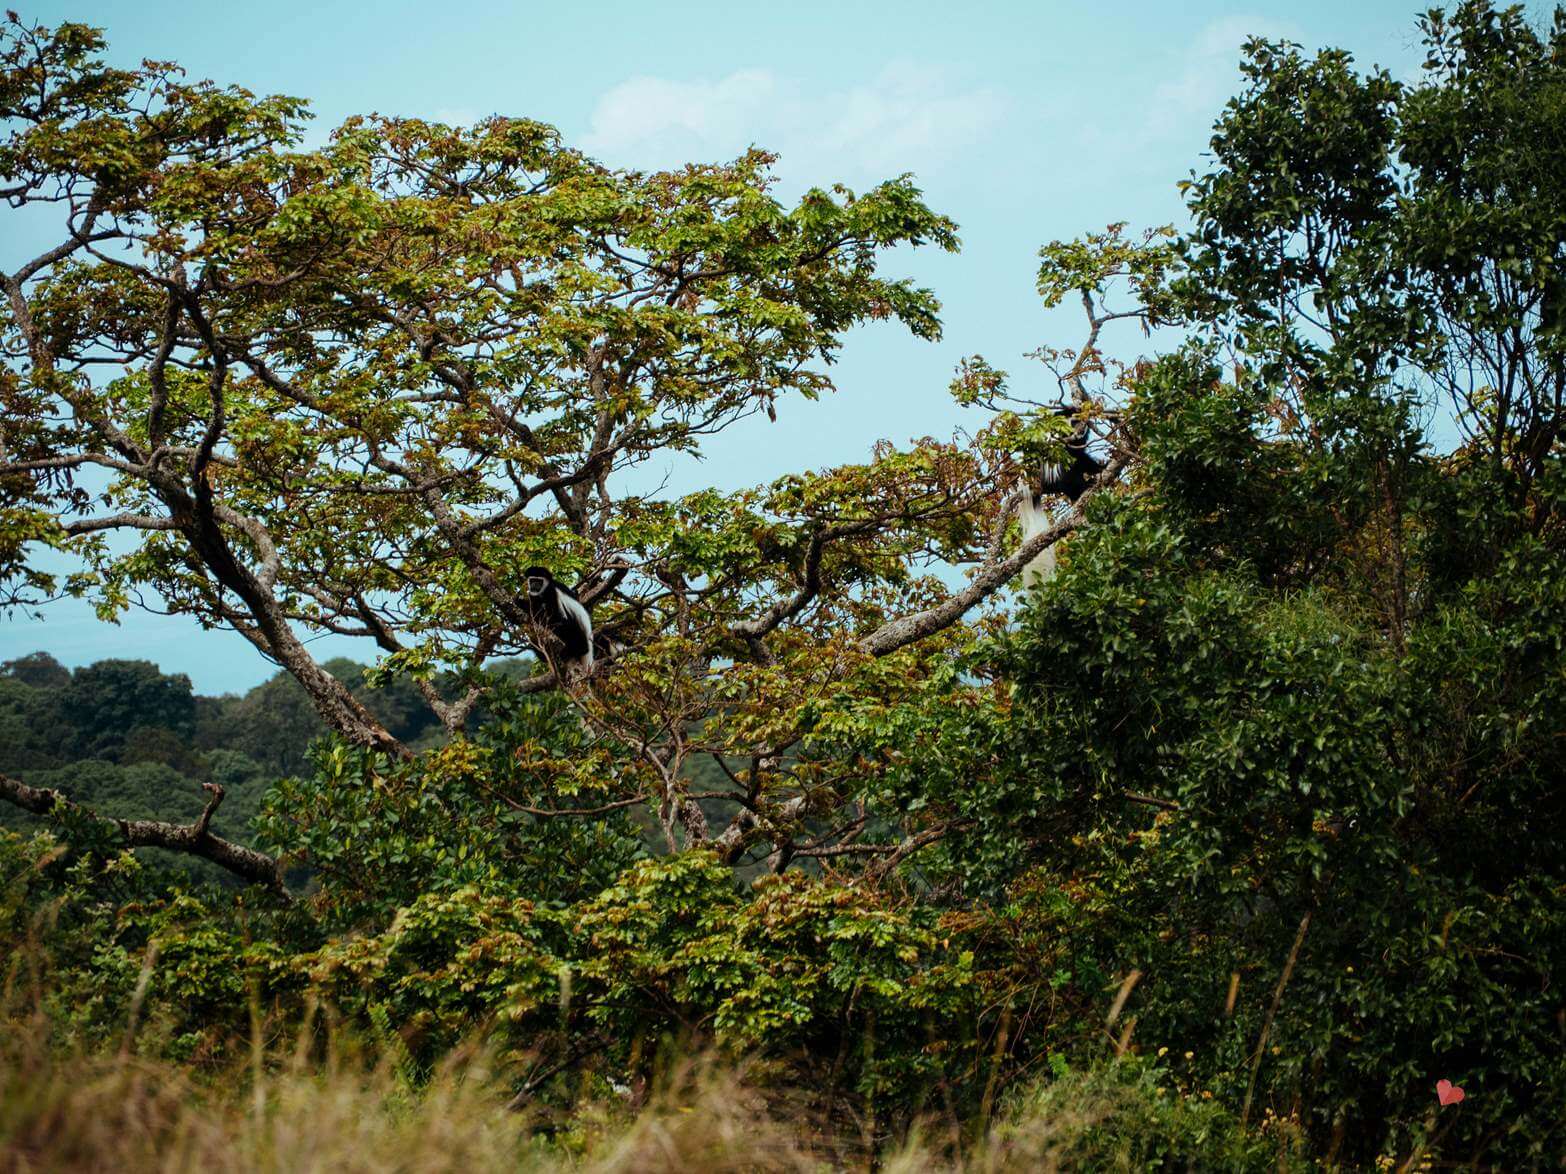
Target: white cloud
{"x":906,"y":118}
{"x":456,"y":115}
{"x":1210,"y":70}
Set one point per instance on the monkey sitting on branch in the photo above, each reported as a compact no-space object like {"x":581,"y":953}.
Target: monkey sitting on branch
{"x":1069,"y":479}
{"x":563,"y":621}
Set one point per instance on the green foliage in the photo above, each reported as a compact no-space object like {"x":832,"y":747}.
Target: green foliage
{"x":448,"y":964}
{"x":107,"y":700}
{"x":273,"y":724}
{"x":30,"y":727}
{"x":1247,"y":830}
{"x":1133,"y":1116}
{"x":1211,"y":452}
{"x":377,"y":834}
{"x":37,"y":669}
{"x":1088,"y":265}
{"x":1315,"y":770}
{"x":93,"y":928}
{"x":673,"y":950}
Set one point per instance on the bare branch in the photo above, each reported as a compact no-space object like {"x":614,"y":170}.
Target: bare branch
{"x":1151,"y":801}
{"x":912,"y":844}
{"x":788,"y":608}
{"x":116,"y":521}
{"x":547,"y":812}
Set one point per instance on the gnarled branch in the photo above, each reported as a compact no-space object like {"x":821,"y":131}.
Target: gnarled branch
{"x":195,"y":839}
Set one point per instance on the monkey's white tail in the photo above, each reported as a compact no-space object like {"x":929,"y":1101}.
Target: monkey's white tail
{"x":572,"y":609}
{"x":1035,"y":520}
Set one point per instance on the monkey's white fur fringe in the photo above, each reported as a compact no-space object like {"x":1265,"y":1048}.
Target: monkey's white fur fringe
{"x":573,"y":610}
{"x":1035,"y":519}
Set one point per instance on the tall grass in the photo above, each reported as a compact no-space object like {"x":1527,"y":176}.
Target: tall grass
{"x":299,"y":1111}
{"x":64,"y":1109}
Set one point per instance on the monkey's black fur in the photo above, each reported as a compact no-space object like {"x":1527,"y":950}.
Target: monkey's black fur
{"x":1073,"y":478}
{"x":563,"y":618}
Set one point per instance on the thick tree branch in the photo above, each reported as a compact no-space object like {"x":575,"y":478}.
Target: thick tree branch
{"x":116,"y":521}
{"x":905,"y":630}
{"x":731,"y":843}
{"x":195,"y":839}
{"x":198,"y":515}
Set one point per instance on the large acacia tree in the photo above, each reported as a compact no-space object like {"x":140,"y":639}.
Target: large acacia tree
{"x":357,"y":389}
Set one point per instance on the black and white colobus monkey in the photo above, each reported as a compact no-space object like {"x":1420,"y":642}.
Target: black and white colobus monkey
{"x":556,"y":610}
{"x":1073,"y":478}
{"x":1070,"y":480}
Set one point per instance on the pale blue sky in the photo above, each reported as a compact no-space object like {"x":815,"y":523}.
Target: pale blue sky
{"x":1025,"y":122}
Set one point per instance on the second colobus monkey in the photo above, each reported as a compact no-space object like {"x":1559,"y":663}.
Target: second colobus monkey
{"x":1075,"y":476}
{"x":1070,"y":479}
{"x":556,"y":610}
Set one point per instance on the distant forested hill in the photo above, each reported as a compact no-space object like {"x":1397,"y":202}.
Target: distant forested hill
{"x":132,"y":741}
